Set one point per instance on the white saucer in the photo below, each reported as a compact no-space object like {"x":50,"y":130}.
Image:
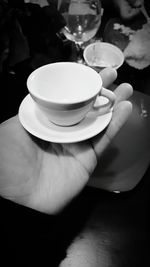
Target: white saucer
{"x":38,"y":125}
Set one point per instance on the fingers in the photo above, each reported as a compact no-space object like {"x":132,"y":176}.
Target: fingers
{"x":123,"y":92}
{"x":108,"y":76}
{"x":121,"y":113}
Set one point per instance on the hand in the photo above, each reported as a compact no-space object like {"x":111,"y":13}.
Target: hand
{"x":46,"y":176}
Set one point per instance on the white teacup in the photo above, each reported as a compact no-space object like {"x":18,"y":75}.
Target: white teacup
{"x":66,"y":91}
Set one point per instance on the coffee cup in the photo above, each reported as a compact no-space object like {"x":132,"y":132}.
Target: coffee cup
{"x":65,"y":92}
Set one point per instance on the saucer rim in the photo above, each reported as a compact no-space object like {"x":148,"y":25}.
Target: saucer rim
{"x":60,"y":139}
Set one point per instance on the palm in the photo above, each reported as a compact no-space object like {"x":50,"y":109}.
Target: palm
{"x":46,"y":176}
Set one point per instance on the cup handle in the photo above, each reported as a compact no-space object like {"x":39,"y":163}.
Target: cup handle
{"x":105,"y":108}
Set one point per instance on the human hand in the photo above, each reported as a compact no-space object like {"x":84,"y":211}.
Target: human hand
{"x":46,"y":176}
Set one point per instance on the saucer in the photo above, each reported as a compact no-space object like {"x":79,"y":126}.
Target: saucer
{"x":38,"y":125}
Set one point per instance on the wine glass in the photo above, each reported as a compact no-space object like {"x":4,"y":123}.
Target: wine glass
{"x":82,"y":21}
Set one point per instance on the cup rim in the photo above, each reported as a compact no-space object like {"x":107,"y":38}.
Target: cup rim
{"x":108,"y":45}
{"x":73,"y":102}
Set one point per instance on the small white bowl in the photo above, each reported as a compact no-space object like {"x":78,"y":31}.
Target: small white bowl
{"x":103,"y":55}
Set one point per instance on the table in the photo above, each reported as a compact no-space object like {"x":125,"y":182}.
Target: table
{"x":124,"y":163}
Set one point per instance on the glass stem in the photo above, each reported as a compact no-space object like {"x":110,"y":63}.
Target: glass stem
{"x":79,"y":53}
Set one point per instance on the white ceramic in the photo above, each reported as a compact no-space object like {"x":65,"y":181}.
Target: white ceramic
{"x":66,"y":91}
{"x":38,"y":125}
{"x":102,"y":55}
